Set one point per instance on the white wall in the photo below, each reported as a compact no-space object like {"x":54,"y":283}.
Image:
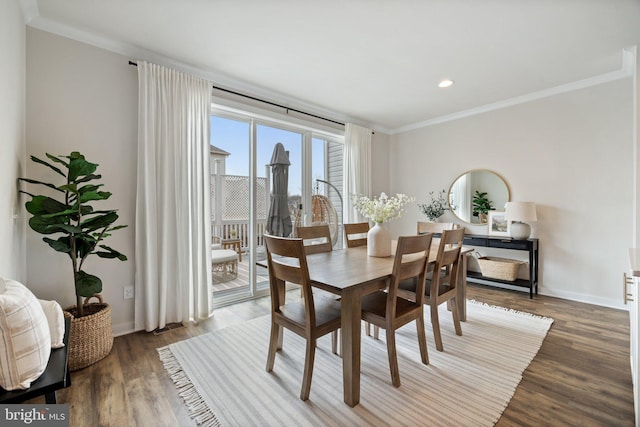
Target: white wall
{"x":380,"y":166}
{"x":12,"y":153}
{"x":82,"y":98}
{"x":572,"y":154}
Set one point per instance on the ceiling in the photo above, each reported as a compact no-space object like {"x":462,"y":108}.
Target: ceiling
{"x":372,"y":62}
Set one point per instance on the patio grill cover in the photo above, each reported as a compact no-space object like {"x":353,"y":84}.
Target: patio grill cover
{"x":279,"y":220}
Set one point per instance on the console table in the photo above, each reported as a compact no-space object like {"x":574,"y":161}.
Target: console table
{"x":529,"y":245}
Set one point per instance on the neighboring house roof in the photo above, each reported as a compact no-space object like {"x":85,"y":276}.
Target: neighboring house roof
{"x":215,"y":150}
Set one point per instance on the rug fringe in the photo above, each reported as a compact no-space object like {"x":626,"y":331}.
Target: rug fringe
{"x":199,"y":411}
{"x":510,"y":310}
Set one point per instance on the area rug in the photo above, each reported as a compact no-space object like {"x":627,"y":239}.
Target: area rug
{"x":221,"y":375}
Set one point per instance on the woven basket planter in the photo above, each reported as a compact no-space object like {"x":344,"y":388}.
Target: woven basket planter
{"x":499,"y":268}
{"x":91,"y":336}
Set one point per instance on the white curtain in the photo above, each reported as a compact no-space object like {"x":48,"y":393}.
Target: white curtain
{"x":461,"y":199}
{"x":173,"y":221}
{"x":357,"y":174}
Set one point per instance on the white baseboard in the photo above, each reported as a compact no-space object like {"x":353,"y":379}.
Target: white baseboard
{"x":123,"y":329}
{"x":571,"y":296}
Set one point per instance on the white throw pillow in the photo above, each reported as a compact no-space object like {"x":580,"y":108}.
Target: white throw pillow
{"x":25,"y":343}
{"x":55,"y":318}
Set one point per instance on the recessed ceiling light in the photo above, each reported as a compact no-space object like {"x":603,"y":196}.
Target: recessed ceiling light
{"x":445,"y":83}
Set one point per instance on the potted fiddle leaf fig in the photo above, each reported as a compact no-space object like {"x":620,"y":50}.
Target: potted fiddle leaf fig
{"x":66,"y":213}
{"x":481,"y":205}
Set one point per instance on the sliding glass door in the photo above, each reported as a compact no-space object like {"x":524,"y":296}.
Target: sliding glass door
{"x":241,"y":183}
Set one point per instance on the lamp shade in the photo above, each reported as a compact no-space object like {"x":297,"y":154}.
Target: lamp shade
{"x":520,"y":211}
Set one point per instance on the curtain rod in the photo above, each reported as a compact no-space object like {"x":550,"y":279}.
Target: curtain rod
{"x":266,"y":102}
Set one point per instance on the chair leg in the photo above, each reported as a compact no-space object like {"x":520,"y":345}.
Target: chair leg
{"x":367,"y":328}
{"x":456,"y":317}
{"x":335,"y":339}
{"x":273,"y":345}
{"x":308,"y":369}
{"x":393,"y":357}
{"x":280,"y":337}
{"x":435,"y":323}
{"x":376,"y":332}
{"x":422,"y":340}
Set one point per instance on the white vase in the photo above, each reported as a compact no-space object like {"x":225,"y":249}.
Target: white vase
{"x":379,"y":241}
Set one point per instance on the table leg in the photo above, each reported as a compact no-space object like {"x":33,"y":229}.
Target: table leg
{"x":351,"y":311}
{"x":461,"y":296}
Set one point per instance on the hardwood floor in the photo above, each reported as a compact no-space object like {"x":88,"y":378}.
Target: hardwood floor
{"x":580,"y":377}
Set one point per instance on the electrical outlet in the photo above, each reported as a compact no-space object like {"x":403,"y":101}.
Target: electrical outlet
{"x":128,"y":292}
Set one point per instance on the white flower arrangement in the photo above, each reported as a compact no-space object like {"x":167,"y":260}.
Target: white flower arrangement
{"x":381,"y":209}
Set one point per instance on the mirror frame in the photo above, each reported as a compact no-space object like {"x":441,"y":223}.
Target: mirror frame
{"x":506,"y":185}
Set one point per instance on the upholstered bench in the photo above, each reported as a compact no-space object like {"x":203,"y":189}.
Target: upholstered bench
{"x":224,"y":265}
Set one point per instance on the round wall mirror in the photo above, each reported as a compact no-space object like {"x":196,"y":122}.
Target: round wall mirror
{"x":476,"y":192}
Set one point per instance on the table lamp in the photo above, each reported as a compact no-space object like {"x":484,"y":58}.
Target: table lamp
{"x":520,"y":213}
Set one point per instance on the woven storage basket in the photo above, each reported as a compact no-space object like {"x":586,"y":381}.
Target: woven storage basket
{"x":91,"y":336}
{"x":499,"y":268}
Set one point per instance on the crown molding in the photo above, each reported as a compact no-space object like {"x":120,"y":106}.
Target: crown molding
{"x":29,"y":10}
{"x":137,"y":53}
{"x":626,"y":70}
{"x":32,"y":18}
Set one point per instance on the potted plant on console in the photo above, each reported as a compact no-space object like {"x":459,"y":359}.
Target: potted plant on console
{"x":436,"y":207}
{"x":66,"y":211}
{"x":481,"y":206}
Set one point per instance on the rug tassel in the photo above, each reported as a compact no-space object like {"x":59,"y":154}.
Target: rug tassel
{"x":510,"y":310}
{"x":199,"y":411}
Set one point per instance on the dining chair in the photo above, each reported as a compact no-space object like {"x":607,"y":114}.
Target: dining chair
{"x":435,"y":227}
{"x":310,"y":317}
{"x":441,"y":282}
{"x":388,"y":310}
{"x":317,"y":238}
{"x":353,"y":235}
{"x":356,"y":234}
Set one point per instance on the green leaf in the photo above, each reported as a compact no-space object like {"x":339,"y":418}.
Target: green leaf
{"x":79,"y":167}
{"x":89,"y":187}
{"x":71,"y":188}
{"x":57,"y":160}
{"x":87,"y":284}
{"x":49,"y":165}
{"x":60,"y":245}
{"x":40,"y":205}
{"x":94,"y":195}
{"x":100,"y":221}
{"x":33,"y":181}
{"x":43,"y":225}
{"x":84,"y":246}
{"x":88,"y":178}
{"x":66,"y":228}
{"x":111,"y":253}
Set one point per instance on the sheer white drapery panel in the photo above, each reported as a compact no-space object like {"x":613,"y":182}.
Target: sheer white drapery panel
{"x":357,"y":174}
{"x":173,"y":230}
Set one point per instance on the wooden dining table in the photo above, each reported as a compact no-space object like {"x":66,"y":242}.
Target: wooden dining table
{"x":350,"y":274}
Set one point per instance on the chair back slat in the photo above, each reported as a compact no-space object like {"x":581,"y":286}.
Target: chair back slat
{"x":317,"y":238}
{"x":287,"y":262}
{"x":411,"y":259}
{"x":356,"y":234}
{"x":447,"y":259}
